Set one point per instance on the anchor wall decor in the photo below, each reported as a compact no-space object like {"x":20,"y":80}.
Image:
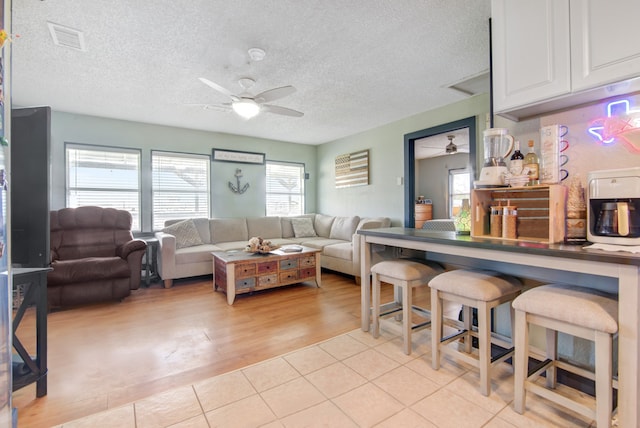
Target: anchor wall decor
{"x":236,"y":188}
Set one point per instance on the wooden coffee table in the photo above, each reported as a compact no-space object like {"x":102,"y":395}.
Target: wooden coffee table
{"x":237,"y":272}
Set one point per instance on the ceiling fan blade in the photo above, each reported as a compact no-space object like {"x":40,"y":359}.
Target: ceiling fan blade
{"x":218,"y":88}
{"x":225,"y":108}
{"x":281,"y":110}
{"x":274,"y":94}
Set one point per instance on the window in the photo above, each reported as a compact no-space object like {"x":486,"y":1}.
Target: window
{"x":106,"y":177}
{"x":180,"y":186}
{"x":285,"y":188}
{"x":459,"y":189}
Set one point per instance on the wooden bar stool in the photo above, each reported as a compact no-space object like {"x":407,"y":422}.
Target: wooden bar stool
{"x":406,"y":274}
{"x":472,"y":288}
{"x":577,"y":311}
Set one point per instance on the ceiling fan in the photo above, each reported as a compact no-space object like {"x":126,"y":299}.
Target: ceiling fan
{"x":248,"y":106}
{"x":451,"y":148}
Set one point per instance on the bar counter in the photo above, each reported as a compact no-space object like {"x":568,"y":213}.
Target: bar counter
{"x":606,"y":270}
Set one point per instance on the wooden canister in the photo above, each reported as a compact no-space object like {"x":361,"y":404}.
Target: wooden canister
{"x":509,"y":222}
{"x":495,"y":227}
{"x":424,"y":212}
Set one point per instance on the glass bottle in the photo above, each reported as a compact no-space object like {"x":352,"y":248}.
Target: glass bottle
{"x":532,"y":164}
{"x":516,"y":163}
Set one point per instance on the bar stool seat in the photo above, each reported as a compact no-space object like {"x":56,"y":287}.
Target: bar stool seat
{"x":472,"y":288}
{"x":406,"y":274}
{"x":577,"y":311}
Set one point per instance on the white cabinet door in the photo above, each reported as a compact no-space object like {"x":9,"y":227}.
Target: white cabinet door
{"x":531,"y":51}
{"x":605,"y":42}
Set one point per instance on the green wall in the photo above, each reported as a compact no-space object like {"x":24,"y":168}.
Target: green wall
{"x":384,"y":196}
{"x":80,"y":129}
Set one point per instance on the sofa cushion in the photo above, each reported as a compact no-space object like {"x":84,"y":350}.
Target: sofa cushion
{"x":343,"y":250}
{"x":228,"y":230}
{"x":303,"y":227}
{"x":322,"y":224}
{"x":287,"y":228}
{"x":264,"y":227}
{"x":344,"y":227}
{"x":319,"y":242}
{"x":185,"y":232}
{"x":201,"y":253}
{"x":232,"y":246}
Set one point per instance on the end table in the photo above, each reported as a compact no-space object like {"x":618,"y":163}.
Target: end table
{"x":150,"y":262}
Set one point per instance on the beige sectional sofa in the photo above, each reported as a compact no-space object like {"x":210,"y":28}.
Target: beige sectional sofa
{"x":185,"y":245}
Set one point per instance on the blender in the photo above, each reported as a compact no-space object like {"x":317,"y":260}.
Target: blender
{"x":497,"y":146}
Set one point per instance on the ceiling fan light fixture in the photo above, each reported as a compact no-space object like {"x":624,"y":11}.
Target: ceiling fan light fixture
{"x":246,"y":108}
{"x":451,"y":148}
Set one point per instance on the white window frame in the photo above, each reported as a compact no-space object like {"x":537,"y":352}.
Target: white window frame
{"x":456,"y":195}
{"x":272,"y":193}
{"x":183,"y":201}
{"x":103,"y":190}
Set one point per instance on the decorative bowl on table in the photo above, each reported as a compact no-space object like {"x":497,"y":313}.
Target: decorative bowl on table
{"x":258,"y":245}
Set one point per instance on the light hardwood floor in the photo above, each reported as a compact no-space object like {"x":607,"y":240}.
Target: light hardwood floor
{"x":103,"y":356}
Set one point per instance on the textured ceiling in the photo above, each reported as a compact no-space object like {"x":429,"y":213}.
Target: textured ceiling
{"x":356,"y":64}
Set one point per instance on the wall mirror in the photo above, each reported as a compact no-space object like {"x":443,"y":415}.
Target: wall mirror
{"x":432,"y":171}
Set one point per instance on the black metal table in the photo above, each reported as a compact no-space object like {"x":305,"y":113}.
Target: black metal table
{"x":33,"y":283}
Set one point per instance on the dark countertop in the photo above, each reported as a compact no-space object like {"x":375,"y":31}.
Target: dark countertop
{"x":572,"y":251}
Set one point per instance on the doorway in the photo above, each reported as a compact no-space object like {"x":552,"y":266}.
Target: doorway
{"x":410,"y":141}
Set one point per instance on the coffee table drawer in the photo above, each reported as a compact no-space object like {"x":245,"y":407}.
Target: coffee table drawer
{"x":267,"y":267}
{"x":289,"y":275}
{"x":244,"y":270}
{"x":245,"y":283}
{"x":268,"y":280}
{"x":308,"y":272}
{"x":307,"y":261}
{"x":288,"y":264}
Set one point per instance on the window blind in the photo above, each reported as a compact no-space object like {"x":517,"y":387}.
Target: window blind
{"x":285,"y":188}
{"x":180,"y":186}
{"x":104,"y":177}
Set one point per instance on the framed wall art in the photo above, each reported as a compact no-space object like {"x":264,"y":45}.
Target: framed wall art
{"x":352,"y":169}
{"x":238,"y":156}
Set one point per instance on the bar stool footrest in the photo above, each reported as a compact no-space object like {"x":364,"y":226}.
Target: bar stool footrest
{"x":390,"y":311}
{"x":454,"y":336}
{"x":538,"y":368}
{"x":503,"y":355}
{"x":421,"y":325}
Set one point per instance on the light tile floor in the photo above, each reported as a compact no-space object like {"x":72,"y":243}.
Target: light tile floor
{"x":352,"y":380}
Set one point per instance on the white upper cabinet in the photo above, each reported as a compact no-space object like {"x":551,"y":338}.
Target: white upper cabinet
{"x":605,"y":42}
{"x":530,"y":44}
{"x":555,"y":54}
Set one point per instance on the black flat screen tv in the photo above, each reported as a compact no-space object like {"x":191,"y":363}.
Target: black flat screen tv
{"x":29,"y":186}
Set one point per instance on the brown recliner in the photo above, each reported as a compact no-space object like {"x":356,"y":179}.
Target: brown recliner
{"x":93,"y":255}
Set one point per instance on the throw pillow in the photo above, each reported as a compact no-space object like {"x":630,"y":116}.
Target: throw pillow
{"x":303,"y":227}
{"x":185,"y":232}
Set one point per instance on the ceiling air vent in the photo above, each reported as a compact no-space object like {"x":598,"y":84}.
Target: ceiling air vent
{"x":67,"y":37}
